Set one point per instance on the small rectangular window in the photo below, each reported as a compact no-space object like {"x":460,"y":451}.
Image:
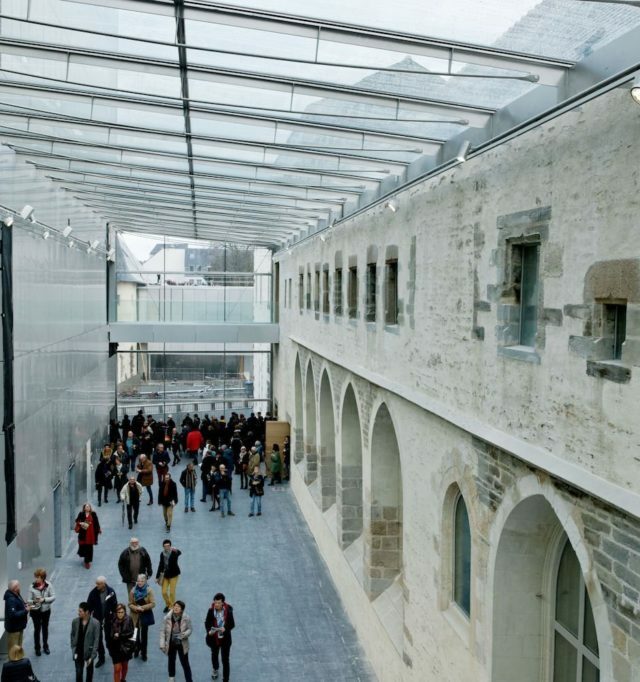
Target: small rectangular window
{"x":526,"y":279}
{"x":325,"y":291}
{"x":316,"y":292}
{"x":337,"y":291}
{"x":352,"y":292}
{"x":615,"y":327}
{"x":301,"y":291}
{"x":370,"y":314}
{"x":391,"y":293}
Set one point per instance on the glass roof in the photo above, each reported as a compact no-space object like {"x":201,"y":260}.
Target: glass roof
{"x":262,"y":120}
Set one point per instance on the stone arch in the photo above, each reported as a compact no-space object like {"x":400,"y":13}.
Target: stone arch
{"x":383,"y":539}
{"x":327,"y":446}
{"x":350,"y":471}
{"x":310,"y":450}
{"x":525,"y":544}
{"x":298,"y":447}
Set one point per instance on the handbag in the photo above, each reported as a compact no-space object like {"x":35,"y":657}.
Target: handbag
{"x":147,"y":618}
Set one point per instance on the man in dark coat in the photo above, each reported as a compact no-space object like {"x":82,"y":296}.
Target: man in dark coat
{"x":137,"y":423}
{"x":133,"y":561}
{"x":16,"y":614}
{"x":85,"y":633}
{"x":218,"y":625}
{"x":102,"y":602}
{"x":161,"y":461}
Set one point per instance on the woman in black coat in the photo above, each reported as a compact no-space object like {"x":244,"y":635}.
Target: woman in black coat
{"x":104,"y":478}
{"x":118,"y":633}
{"x":17,"y":668}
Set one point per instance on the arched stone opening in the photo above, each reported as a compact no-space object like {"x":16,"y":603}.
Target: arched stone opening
{"x":531,"y":572}
{"x":327,"y":449}
{"x":383,"y":537}
{"x":298,"y":447}
{"x":310,"y":451}
{"x":350,"y":471}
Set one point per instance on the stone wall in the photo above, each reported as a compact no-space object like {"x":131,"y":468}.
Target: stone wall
{"x":472,"y":411}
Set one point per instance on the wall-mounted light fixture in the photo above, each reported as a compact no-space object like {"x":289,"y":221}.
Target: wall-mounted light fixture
{"x":46,"y":234}
{"x":111,"y":253}
{"x":392,"y":205}
{"x":635,"y":89}
{"x":67,"y":231}
{"x":27,"y":213}
{"x":95,"y":244}
{"x":323,"y":238}
{"x":7,"y":221}
{"x":461,"y":156}
{"x":71,"y":244}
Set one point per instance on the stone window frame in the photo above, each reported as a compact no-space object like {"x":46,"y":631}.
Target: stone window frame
{"x":523,"y":228}
{"x":301,"y":290}
{"x":352,"y":288}
{"x":391,"y":262}
{"x":608,"y":282}
{"x":459,"y":621}
{"x":325,"y":303}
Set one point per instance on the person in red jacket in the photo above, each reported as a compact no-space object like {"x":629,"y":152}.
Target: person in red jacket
{"x":194,"y":443}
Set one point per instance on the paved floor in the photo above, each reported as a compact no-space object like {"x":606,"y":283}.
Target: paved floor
{"x":290,"y":624}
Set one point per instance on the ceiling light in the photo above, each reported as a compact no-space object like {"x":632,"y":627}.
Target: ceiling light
{"x":7,"y":221}
{"x":27,"y":212}
{"x":635,"y":90}
{"x":67,"y":231}
{"x":461,"y":156}
{"x":392,"y":205}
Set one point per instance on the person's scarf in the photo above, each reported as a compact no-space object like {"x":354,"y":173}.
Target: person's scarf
{"x":140,"y":593}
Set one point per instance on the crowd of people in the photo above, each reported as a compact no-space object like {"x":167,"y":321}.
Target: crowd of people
{"x":140,"y":456}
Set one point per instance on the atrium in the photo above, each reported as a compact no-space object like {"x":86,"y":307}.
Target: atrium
{"x":407,"y":230}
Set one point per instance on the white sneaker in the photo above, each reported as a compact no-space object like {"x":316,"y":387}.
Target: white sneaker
{"x":172,"y":679}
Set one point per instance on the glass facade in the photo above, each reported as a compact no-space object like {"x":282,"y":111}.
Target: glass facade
{"x":173,"y":380}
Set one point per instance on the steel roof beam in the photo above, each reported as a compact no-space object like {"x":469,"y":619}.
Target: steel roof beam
{"x":24,"y":135}
{"x":215,"y":176}
{"x":231,"y":195}
{"x":228,"y":194}
{"x":201,"y":187}
{"x":250,"y":217}
{"x":245,"y":164}
{"x":256,"y":208}
{"x":309,"y":150}
{"x":288,"y":85}
{"x":214,"y":113}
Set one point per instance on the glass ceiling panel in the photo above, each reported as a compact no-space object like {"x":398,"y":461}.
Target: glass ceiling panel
{"x":562,"y":29}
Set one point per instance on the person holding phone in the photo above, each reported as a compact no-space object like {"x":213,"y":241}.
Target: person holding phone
{"x":218,"y":625}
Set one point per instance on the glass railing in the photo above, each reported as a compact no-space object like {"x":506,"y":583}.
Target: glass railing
{"x":193,"y":297}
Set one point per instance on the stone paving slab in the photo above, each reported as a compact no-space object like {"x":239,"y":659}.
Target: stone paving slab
{"x":290,"y":623}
